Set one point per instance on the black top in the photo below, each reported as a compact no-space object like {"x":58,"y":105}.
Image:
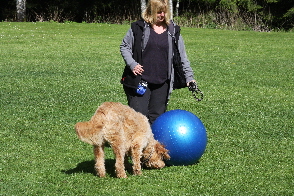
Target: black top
{"x":155,"y":58}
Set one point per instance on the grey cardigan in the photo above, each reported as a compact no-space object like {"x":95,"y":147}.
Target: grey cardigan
{"x":127,"y":54}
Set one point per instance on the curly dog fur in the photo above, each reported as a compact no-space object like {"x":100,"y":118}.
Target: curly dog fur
{"x":129,"y":134}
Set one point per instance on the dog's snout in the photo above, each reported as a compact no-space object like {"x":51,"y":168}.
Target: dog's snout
{"x":158,"y":165}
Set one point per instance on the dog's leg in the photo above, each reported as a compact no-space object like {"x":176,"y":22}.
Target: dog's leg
{"x":99,"y":160}
{"x":136,"y":157}
{"x":119,"y":161}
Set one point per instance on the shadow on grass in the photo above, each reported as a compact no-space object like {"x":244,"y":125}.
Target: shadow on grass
{"x":88,"y":167}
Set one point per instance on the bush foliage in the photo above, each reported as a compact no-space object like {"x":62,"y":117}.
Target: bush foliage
{"x":260,"y":15}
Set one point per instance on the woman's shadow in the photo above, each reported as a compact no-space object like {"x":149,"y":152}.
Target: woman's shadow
{"x":88,"y":167}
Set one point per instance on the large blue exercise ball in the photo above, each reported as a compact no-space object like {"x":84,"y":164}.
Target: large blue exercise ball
{"x":183,"y":134}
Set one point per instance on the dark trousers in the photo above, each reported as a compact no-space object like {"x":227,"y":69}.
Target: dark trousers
{"x":152,"y":104}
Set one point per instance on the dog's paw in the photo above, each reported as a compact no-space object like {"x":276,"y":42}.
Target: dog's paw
{"x":137,"y":172}
{"x":100,"y":171}
{"x":122,"y":175}
{"x":101,"y":175}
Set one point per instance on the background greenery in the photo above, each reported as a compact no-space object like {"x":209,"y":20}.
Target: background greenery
{"x":258,"y":15}
{"x":53,"y":75}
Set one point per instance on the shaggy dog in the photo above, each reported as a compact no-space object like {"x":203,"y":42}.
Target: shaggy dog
{"x":128,"y":133}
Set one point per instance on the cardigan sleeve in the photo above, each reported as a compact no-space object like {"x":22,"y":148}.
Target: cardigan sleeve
{"x":186,"y":63}
{"x":126,"y":49}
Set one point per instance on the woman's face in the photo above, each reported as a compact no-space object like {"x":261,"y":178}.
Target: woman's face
{"x":160,"y":16}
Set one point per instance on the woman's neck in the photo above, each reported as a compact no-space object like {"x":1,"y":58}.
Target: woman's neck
{"x":159,"y":27}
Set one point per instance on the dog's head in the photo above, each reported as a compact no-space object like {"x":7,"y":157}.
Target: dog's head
{"x":154,"y":156}
{"x":86,"y":132}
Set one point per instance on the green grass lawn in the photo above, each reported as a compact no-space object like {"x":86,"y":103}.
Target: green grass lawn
{"x":54,"y":75}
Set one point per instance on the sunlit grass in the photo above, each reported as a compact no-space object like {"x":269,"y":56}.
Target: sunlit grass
{"x":53,"y":75}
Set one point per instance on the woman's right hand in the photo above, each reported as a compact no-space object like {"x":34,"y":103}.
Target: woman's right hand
{"x":138,"y":70}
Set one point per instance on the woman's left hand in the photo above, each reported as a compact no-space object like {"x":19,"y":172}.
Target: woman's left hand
{"x":188,"y":84}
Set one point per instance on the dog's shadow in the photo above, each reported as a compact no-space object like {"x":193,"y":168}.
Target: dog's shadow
{"x":88,"y":167}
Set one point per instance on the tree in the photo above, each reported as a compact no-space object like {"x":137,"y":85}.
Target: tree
{"x":143,"y":5}
{"x":171,"y":8}
{"x":21,"y":10}
{"x":177,"y":8}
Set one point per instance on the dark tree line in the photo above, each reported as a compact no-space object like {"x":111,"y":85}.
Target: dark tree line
{"x":113,"y":11}
{"x":254,"y":14}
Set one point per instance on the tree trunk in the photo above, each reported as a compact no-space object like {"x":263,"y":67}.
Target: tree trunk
{"x":177,"y":8}
{"x":21,"y":10}
{"x":171,"y":8}
{"x":143,"y":5}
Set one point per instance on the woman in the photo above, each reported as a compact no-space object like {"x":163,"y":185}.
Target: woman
{"x":147,"y":51}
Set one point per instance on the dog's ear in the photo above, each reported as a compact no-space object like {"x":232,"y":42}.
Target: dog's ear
{"x":160,"y":149}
